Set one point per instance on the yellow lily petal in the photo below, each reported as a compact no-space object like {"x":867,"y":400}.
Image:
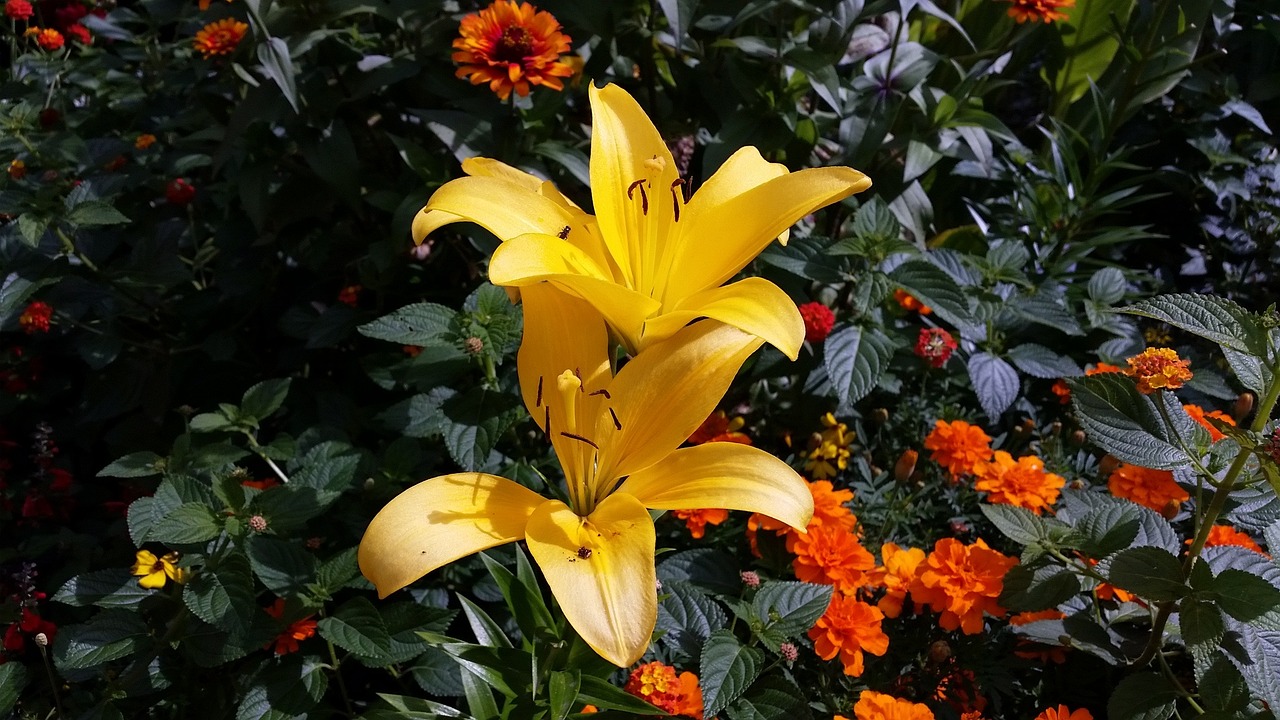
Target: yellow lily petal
{"x":600,"y":568}
{"x":626,"y":148}
{"x":440,"y":520}
{"x":488,"y":167}
{"x":665,"y":393}
{"x":502,"y":207}
{"x":530,"y":259}
{"x":753,"y":305}
{"x":724,"y":475}
{"x":722,"y":238}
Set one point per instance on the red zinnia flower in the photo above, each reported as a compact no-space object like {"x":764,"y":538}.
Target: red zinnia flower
{"x":18,"y":9}
{"x":511,"y":47}
{"x":818,"y":321}
{"x":1045,"y":11}
{"x":180,"y":191}
{"x":79,"y":33}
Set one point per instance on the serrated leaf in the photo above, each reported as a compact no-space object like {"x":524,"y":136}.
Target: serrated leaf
{"x":1222,"y":687}
{"x":790,"y":608}
{"x":773,"y":698}
{"x":1041,"y":362}
{"x":282,"y":565}
{"x":1142,"y":696}
{"x":187,"y":523}
{"x":474,"y":421}
{"x":1213,"y":318}
{"x":109,"y":635}
{"x":1261,"y":664}
{"x":855,"y":357}
{"x":1108,"y":286}
{"x":133,"y":465}
{"x":334,"y":573}
{"x":707,"y":568}
{"x":1249,"y":370}
{"x":727,"y":668}
{"x":932,"y":286}
{"x":1027,"y":590}
{"x":1200,"y":621}
{"x":1017,"y":523}
{"x":1126,"y":423}
{"x":1153,"y":573}
{"x":418,"y":416}
{"x":1245,"y":596}
{"x":224,"y":597}
{"x":290,"y":689}
{"x":1109,"y":529}
{"x":687,"y":618}
{"x":418,"y":324}
{"x":13,"y":678}
{"x":358,"y":628}
{"x":995,"y":382}
{"x":264,"y":398}
{"x":93,"y":213}
{"x":113,"y":587}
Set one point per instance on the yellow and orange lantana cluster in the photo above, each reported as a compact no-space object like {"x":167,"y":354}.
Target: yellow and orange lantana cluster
{"x":1158,"y":369}
{"x":659,"y":685}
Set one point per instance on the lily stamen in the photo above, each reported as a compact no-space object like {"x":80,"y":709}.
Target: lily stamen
{"x":644,"y":197}
{"x":676,"y":198}
{"x":603,"y":392}
{"x":538,"y":402}
{"x":579,"y":438}
{"x":616,"y":422}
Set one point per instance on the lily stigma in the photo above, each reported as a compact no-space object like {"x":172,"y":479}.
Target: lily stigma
{"x":616,"y":436}
{"x":653,"y":257}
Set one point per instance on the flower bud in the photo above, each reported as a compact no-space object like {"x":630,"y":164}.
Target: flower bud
{"x":41,"y":639}
{"x":258,"y":524}
{"x":1077,"y":437}
{"x":750,"y":578}
{"x":1243,"y":406}
{"x":939,"y":652}
{"x":789,"y":651}
{"x":880,"y":416}
{"x":473,"y":345}
{"x":905,"y":466}
{"x":1170,"y":509}
{"x":1108,"y":464}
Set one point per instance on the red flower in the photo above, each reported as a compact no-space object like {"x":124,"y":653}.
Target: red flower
{"x":47,"y":38}
{"x":818,"y":320}
{"x":935,"y":345}
{"x":350,"y":295}
{"x":79,"y":33}
{"x":180,"y":191}
{"x":18,"y":9}
{"x":36,"y":318}
{"x":287,"y":641}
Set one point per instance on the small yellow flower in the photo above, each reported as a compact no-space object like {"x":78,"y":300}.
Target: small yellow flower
{"x":829,"y":450}
{"x":155,"y":571}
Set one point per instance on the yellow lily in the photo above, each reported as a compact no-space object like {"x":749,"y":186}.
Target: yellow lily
{"x":650,"y":259}
{"x":616,"y":437}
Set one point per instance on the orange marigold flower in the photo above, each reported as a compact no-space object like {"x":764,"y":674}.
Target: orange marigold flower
{"x":287,"y":642}
{"x":1101,"y":368}
{"x":1106,"y":591}
{"x":959,"y":689}
{"x":204,"y":4}
{"x":659,"y":685}
{"x":1199,"y":414}
{"x":1026,"y":618}
{"x":1227,"y":535}
{"x":828,"y":511}
{"x":962,"y":582}
{"x":36,"y":318}
{"x":1158,"y":368}
{"x":1045,"y":11}
{"x":907,"y":302}
{"x":829,"y":449}
{"x":698,"y":520}
{"x":220,"y":38}
{"x":718,"y":427}
{"x":1062,"y":391}
{"x":1152,"y":488}
{"x":1062,"y":712}
{"x":1034,"y":650}
{"x":896,"y":576}
{"x":847,"y":628}
{"x":1023,"y":482}
{"x":831,"y":556}
{"x":872,"y":705}
{"x":511,"y":47}
{"x":144,"y":141}
{"x":958,"y":446}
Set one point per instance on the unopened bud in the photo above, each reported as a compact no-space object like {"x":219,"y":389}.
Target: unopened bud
{"x":959,"y":527}
{"x":658,"y":584}
{"x":880,"y":416}
{"x":939,"y":652}
{"x":369,"y":483}
{"x":789,"y":651}
{"x":41,"y":639}
{"x":750,"y":578}
{"x":473,"y":345}
{"x":905,"y":466}
{"x":1055,"y":429}
{"x":1170,"y":510}
{"x":258,"y":524}
{"x":1076,"y":484}
{"x":313,"y":543}
{"x":1108,"y":464}
{"x":1077,"y":437}
{"x":1242,"y":407}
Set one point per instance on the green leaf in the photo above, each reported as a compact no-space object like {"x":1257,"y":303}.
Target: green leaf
{"x":358,"y":628}
{"x":1017,"y":523}
{"x":687,"y":618}
{"x":1200,"y":621}
{"x":488,"y":632}
{"x":418,"y":324}
{"x":773,"y":698}
{"x":1041,"y":362}
{"x":419,"y":416}
{"x":995,"y":382}
{"x":265,"y":398}
{"x":726,"y":670}
{"x":1109,"y":529}
{"x":437,"y":674}
{"x":564,"y":692}
{"x":109,"y":635}
{"x":597,"y":691}
{"x":479,"y":697}
{"x":1153,"y":573}
{"x":932,"y":286}
{"x":1126,"y":423}
{"x":1142,"y":696}
{"x":474,"y":421}
{"x":524,"y":599}
{"x":13,"y":677}
{"x":277,"y":65}
{"x":1027,"y":590}
{"x":1108,"y":286}
{"x":224,"y":597}
{"x":139,"y":464}
{"x":187,"y":523}
{"x":290,"y":689}
{"x":1213,"y":318}
{"x":93,"y":213}
{"x":855,"y":357}
{"x":411,"y":708}
{"x":502,"y":668}
{"x":1088,"y":45}
{"x":334,"y":573}
{"x":1261,"y":662}
{"x":1252,"y":372}
{"x":1222,"y":687}
{"x":1245,"y":596}
{"x":282,"y":565}
{"x":707,"y":568}
{"x":32,"y":228}
{"x":789,"y":609}
{"x":113,"y":587}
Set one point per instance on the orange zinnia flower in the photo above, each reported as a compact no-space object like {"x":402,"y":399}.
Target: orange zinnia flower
{"x":1157,"y":368}
{"x":872,"y":705}
{"x":659,"y":685}
{"x":1198,"y":414}
{"x":698,"y":520}
{"x":1152,"y":488}
{"x":719,"y":428}
{"x":1227,"y":535}
{"x":831,"y":556}
{"x":896,"y":575}
{"x":958,"y":447}
{"x":1062,"y":712}
{"x":962,"y":582}
{"x":287,"y":641}
{"x":847,"y":628}
{"x":1045,"y":11}
{"x":511,"y":47}
{"x":907,"y":302}
{"x":220,"y":38}
{"x":1023,"y":483}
